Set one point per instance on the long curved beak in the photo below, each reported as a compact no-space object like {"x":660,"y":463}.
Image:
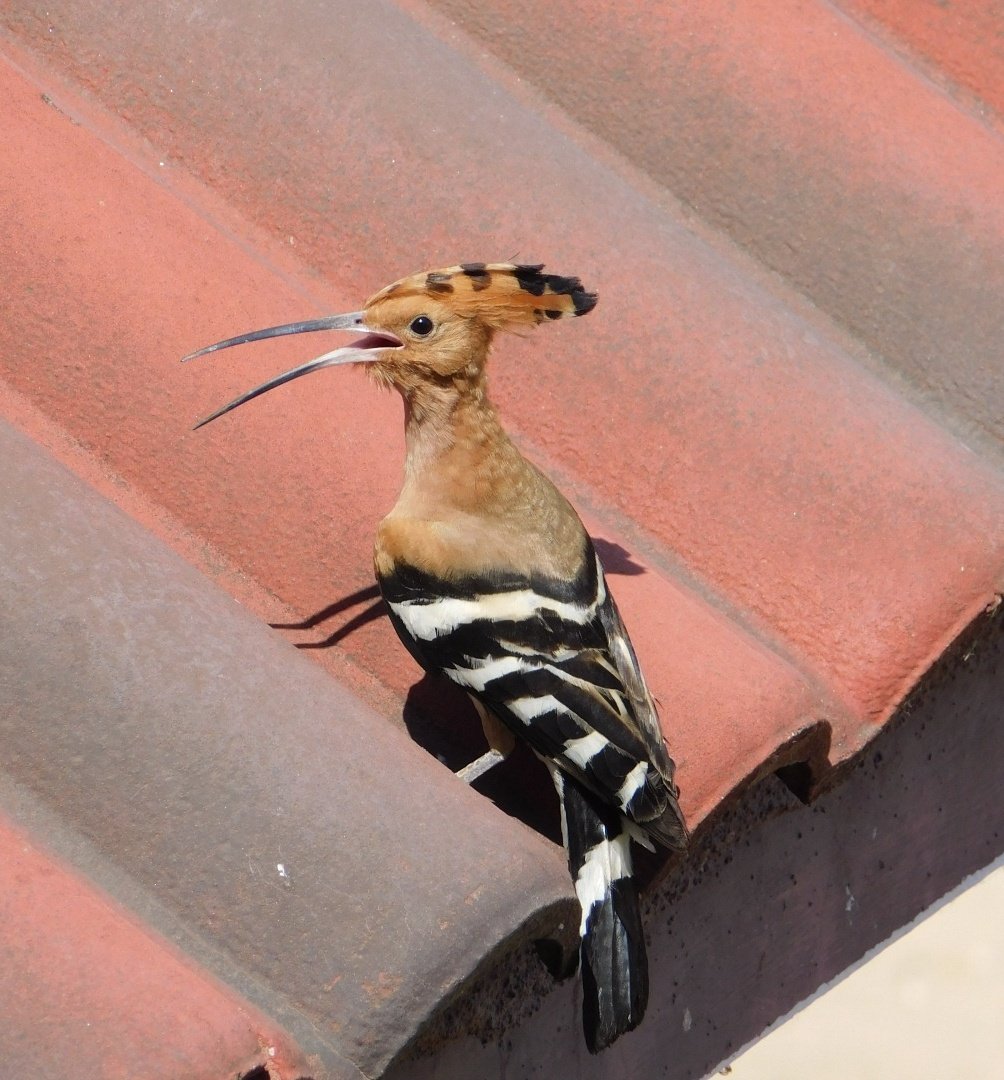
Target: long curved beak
{"x":365,"y":350}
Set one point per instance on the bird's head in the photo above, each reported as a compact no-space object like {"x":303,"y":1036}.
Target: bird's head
{"x":431,"y":326}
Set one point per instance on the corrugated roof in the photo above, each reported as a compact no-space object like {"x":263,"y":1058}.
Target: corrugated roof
{"x":782,"y":420}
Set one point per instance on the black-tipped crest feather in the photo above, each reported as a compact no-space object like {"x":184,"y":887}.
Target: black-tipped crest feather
{"x":503,"y":295}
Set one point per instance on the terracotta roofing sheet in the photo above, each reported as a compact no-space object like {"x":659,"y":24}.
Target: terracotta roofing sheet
{"x":81,"y":982}
{"x":960,"y":45}
{"x":782,"y":420}
{"x":810,"y":143}
{"x":246,"y":799}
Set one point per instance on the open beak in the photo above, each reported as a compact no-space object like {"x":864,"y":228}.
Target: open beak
{"x":363,"y":351}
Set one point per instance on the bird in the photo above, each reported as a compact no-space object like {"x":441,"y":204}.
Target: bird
{"x":491,"y":580}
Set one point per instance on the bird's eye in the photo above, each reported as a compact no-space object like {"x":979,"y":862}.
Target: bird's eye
{"x":421,"y":325}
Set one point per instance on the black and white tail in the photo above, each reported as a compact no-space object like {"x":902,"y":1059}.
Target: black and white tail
{"x":612,"y":953}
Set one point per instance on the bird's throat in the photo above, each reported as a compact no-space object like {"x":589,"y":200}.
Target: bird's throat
{"x":457,"y":453}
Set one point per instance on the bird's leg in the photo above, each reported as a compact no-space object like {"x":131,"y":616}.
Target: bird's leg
{"x":500,"y":740}
{"x":479,"y":766}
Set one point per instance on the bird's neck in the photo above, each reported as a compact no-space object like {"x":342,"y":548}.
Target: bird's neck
{"x":456,"y":449}
{"x":470,"y":501}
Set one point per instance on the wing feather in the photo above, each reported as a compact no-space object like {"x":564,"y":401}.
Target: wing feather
{"x":553,"y":661}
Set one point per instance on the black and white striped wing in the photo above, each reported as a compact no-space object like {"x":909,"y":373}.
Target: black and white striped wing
{"x":551,"y":660}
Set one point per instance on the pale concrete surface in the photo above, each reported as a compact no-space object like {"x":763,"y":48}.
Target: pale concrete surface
{"x":929,"y":1006}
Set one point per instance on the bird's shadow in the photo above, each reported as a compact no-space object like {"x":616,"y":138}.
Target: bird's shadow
{"x":376,"y":610}
{"x":441,"y":719}
{"x":616,"y":560}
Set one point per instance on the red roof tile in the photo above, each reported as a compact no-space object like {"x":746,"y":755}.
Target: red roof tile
{"x":81,"y":982}
{"x":961,"y":43}
{"x":242,"y":792}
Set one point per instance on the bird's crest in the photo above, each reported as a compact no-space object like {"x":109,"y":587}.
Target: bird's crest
{"x":505,"y":296}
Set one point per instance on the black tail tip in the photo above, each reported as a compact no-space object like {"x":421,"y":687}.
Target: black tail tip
{"x":604,"y":1023}
{"x":614,"y":968}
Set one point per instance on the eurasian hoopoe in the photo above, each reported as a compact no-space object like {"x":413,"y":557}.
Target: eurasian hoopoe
{"x":492,"y":581}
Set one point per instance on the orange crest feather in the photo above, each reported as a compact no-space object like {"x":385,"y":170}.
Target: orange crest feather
{"x":505,"y":296}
